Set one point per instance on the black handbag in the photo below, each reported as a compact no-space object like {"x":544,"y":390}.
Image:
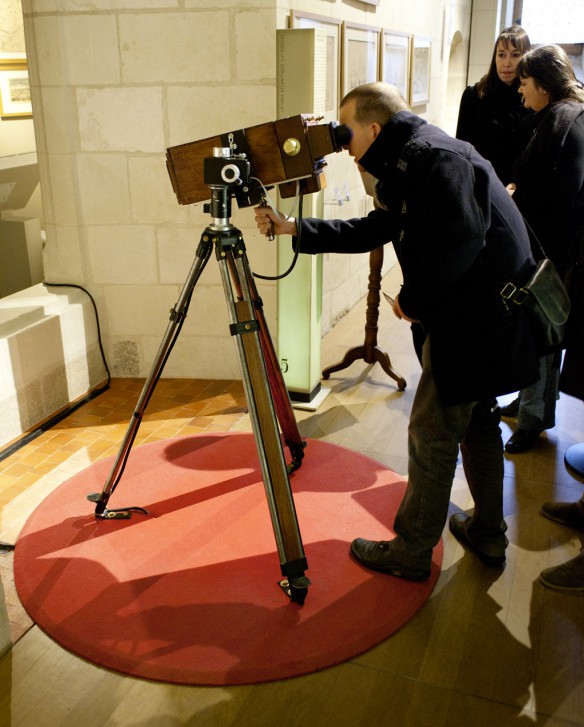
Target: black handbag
{"x":545,"y":299}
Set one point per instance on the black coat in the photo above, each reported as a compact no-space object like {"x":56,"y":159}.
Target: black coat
{"x":572,"y":375}
{"x":497,"y":125}
{"x":549,"y":175}
{"x":459,"y":239}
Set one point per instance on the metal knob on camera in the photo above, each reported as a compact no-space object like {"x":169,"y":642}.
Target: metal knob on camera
{"x":291,"y":147}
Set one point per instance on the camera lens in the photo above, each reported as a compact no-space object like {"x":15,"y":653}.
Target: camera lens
{"x":231,"y":173}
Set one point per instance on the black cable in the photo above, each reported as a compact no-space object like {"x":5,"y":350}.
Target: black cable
{"x":88,"y":294}
{"x":296,"y":249}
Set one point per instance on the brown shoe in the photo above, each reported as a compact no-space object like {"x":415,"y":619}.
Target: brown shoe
{"x":565,"y":513}
{"x":379,"y":555}
{"x":491,"y":551}
{"x":568,"y":576}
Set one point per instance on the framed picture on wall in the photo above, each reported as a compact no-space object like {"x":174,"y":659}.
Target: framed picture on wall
{"x":360,"y":55}
{"x":420,"y":73}
{"x":14,"y":88}
{"x":332,"y":27}
{"x":394,"y":62}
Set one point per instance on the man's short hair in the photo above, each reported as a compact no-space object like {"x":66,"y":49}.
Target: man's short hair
{"x":376,"y":102}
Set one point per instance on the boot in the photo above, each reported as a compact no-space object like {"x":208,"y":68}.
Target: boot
{"x":567,"y":577}
{"x":565,"y":513}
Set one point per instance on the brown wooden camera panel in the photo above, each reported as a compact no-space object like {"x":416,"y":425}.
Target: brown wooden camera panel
{"x":269,"y":163}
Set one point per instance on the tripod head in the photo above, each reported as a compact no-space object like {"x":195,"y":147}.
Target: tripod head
{"x":228,"y":175}
{"x":283,"y":152}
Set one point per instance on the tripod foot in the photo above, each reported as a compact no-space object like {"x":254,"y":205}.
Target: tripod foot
{"x":121,"y":514}
{"x":295,"y":590}
{"x":297,"y":453}
{"x":124,"y":513}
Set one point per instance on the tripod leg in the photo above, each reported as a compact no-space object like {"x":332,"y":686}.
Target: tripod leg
{"x":288,"y":423}
{"x":177,"y":316}
{"x":282,"y":403}
{"x":245,"y":329}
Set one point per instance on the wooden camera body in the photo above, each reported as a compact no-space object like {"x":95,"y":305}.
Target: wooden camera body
{"x":279,"y":152}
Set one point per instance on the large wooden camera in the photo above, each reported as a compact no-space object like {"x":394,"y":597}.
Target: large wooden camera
{"x":286,"y":152}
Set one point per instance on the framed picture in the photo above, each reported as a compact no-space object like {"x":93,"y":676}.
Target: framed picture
{"x":394,"y":62}
{"x":332,"y":27}
{"x":420,"y":74}
{"x":360,"y":56}
{"x":14,"y":88}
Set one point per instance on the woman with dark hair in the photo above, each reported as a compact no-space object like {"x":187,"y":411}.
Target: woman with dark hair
{"x":491,"y":116}
{"x":548,"y":188}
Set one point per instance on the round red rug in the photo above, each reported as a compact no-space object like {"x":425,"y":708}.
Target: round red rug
{"x":189,"y":594}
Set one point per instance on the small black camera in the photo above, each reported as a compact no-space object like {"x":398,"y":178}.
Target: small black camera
{"x":224,"y":170}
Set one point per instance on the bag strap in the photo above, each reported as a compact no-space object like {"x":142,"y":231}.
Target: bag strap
{"x":518,"y":294}
{"x":533,"y":238}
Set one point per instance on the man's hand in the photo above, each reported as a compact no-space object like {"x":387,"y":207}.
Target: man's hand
{"x":397,"y":311}
{"x":268,"y":222}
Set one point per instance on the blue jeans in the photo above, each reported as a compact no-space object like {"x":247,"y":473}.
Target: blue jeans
{"x":537,"y":407}
{"x":436,"y":434}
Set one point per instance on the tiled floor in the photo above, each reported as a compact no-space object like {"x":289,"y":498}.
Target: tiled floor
{"x":177,"y":407}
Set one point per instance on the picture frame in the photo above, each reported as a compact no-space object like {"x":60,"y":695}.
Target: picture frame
{"x":394,"y":60}
{"x":332,"y":28}
{"x":360,"y":55}
{"x":420,"y":70}
{"x":15,"y":98}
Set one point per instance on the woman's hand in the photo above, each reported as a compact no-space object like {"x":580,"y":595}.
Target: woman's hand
{"x":270,"y":223}
{"x":511,"y":187}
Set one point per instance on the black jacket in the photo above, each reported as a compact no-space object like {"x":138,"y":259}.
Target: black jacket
{"x":459,"y":239}
{"x":549,"y":176}
{"x":497,"y":125}
{"x":572,"y":376}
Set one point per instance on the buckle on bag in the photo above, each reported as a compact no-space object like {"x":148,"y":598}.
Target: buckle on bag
{"x":511,"y":293}
{"x":521,"y":296}
{"x":508,"y":291}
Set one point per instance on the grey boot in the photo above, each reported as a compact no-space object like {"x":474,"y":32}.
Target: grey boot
{"x":567,"y":577}
{"x":566,"y":513}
